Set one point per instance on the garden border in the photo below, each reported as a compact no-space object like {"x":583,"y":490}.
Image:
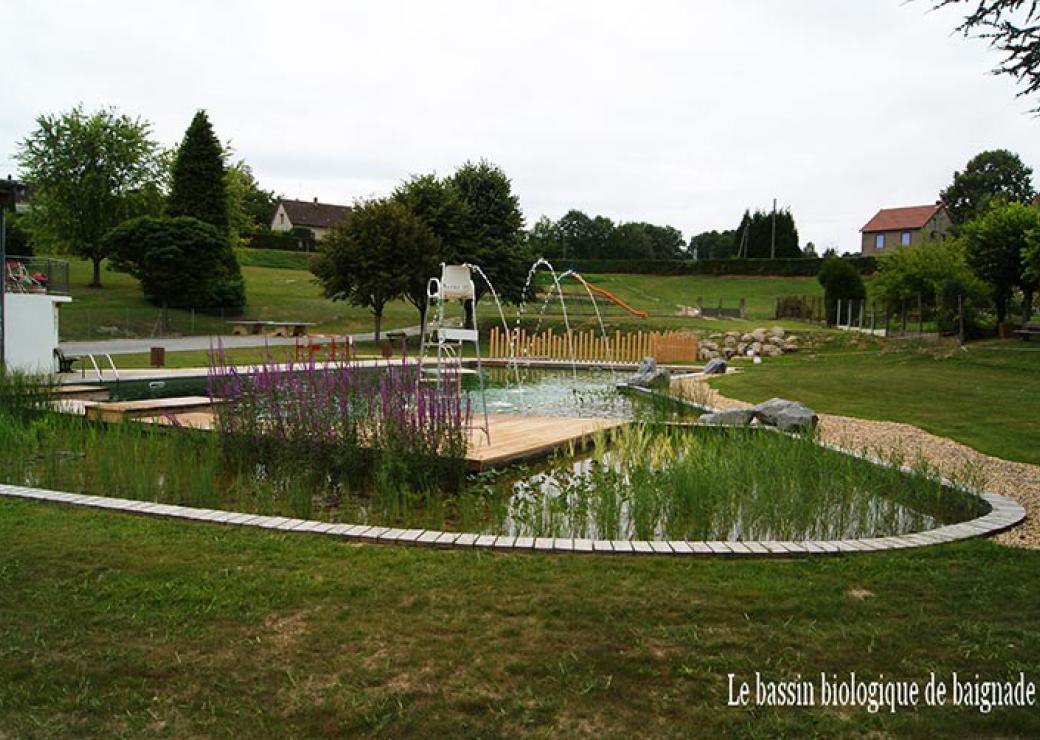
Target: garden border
{"x":1004,"y":513}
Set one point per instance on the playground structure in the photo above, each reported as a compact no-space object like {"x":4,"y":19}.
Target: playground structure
{"x":609,"y":296}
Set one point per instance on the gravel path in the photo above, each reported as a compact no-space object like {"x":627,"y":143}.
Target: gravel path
{"x":1020,"y":481}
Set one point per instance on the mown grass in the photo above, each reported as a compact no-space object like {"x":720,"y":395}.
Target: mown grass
{"x":278,"y":289}
{"x":118,"y":625}
{"x":986,"y":395}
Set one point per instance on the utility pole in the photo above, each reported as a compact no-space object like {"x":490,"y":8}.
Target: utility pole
{"x":772,"y":236}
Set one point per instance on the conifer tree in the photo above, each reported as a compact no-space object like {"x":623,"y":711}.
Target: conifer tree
{"x":198,"y":188}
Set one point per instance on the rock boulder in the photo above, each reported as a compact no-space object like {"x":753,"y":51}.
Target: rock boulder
{"x":789,"y":416}
{"x":650,"y":375}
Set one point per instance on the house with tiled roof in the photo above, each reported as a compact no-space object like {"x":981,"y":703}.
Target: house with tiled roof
{"x":895,"y":228}
{"x":307,"y":214}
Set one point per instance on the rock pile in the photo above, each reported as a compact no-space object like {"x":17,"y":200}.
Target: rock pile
{"x":789,"y":416}
{"x":758,"y":343}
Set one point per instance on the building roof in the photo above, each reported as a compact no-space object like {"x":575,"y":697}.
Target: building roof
{"x":894,"y":219}
{"x":315,"y":214}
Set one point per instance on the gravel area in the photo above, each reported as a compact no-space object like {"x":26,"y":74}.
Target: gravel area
{"x":1019,"y":481}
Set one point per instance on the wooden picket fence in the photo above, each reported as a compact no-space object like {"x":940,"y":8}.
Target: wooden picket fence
{"x":671,"y":346}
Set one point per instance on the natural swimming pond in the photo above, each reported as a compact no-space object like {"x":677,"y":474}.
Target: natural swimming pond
{"x":647,"y":482}
{"x":542,"y":392}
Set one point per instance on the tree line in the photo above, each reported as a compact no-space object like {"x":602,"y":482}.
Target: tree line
{"x":102,"y":187}
{"x":389,"y":247}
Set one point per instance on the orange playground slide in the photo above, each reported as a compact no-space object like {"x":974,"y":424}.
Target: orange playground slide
{"x":610,"y":297}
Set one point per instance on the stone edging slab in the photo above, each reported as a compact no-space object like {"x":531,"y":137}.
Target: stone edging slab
{"x":1004,"y":513}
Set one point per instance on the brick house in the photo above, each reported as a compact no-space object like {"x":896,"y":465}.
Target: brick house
{"x":894,"y":228}
{"x":318,"y":217}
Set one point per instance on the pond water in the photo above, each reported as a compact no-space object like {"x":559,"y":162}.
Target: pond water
{"x":589,"y":393}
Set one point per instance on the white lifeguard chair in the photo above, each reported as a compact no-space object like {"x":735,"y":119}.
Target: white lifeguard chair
{"x":454,"y":284}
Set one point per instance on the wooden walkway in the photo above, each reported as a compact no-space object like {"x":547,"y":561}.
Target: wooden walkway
{"x":513,"y":438}
{"x":517,"y":438}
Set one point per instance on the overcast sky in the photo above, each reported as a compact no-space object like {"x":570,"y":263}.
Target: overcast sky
{"x":680,"y":113}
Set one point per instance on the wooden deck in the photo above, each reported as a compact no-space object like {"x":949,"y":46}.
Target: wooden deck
{"x":513,"y":438}
{"x":117,"y":411}
{"x":517,"y":438}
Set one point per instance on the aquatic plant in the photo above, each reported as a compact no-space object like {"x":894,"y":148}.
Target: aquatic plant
{"x":356,"y":425}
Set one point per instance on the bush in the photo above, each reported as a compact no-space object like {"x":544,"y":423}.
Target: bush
{"x":788,"y":267}
{"x":840,"y":281}
{"x":180,"y":262}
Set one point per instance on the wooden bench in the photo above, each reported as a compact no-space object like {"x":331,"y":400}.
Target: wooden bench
{"x":1029,"y":330}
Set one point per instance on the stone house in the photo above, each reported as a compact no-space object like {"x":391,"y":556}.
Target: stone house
{"x":895,"y":228}
{"x":318,"y":217}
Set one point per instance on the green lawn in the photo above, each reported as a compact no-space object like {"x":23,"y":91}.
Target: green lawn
{"x":121,"y":626}
{"x":119,"y":310}
{"x":277,"y":291}
{"x":986,"y":395}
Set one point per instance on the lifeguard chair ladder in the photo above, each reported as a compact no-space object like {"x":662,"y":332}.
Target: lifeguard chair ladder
{"x":454,"y":284}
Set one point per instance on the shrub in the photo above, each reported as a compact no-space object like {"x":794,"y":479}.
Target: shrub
{"x":840,"y":281}
{"x":283,"y":240}
{"x":180,"y":261}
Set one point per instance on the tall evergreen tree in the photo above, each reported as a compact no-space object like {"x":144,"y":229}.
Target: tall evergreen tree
{"x":759,"y":227}
{"x":199,"y":187}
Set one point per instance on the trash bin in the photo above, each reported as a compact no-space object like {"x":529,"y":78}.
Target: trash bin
{"x":157,"y":356}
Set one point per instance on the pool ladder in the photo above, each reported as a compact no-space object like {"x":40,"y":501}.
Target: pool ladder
{"x":97,"y":369}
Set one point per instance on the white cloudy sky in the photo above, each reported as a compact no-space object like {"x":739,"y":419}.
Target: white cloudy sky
{"x":682,"y":113}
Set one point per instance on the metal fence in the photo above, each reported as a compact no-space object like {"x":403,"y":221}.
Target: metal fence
{"x":914,"y":317}
{"x":910,"y":318}
{"x":35,"y":275}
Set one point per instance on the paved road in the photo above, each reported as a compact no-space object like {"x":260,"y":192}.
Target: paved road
{"x":180,"y":344}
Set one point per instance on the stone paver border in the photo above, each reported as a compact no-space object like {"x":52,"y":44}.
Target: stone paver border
{"x":1004,"y":513}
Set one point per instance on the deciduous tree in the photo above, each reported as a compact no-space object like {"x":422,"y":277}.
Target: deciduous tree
{"x":997,"y":246}
{"x":494,"y":228}
{"x":368,"y":260}
{"x":990,"y":177}
{"x":88,"y":173}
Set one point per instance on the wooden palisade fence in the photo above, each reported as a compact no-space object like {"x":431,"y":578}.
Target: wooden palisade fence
{"x":671,"y":346}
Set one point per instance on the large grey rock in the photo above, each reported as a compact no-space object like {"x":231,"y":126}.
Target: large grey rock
{"x":729,"y":418}
{"x":715,"y":367}
{"x":789,"y":416}
{"x":650,"y":375}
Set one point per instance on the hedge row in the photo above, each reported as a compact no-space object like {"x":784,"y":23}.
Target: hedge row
{"x":788,"y":267}
{"x":286,"y":241}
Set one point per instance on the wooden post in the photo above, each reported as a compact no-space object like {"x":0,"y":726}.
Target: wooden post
{"x":902,"y":327}
{"x":920,"y":316}
{"x":960,"y":317}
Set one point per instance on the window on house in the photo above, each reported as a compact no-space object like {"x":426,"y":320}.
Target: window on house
{"x":879,"y":241}
{"x":281,"y":218}
{"x":905,"y":239}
